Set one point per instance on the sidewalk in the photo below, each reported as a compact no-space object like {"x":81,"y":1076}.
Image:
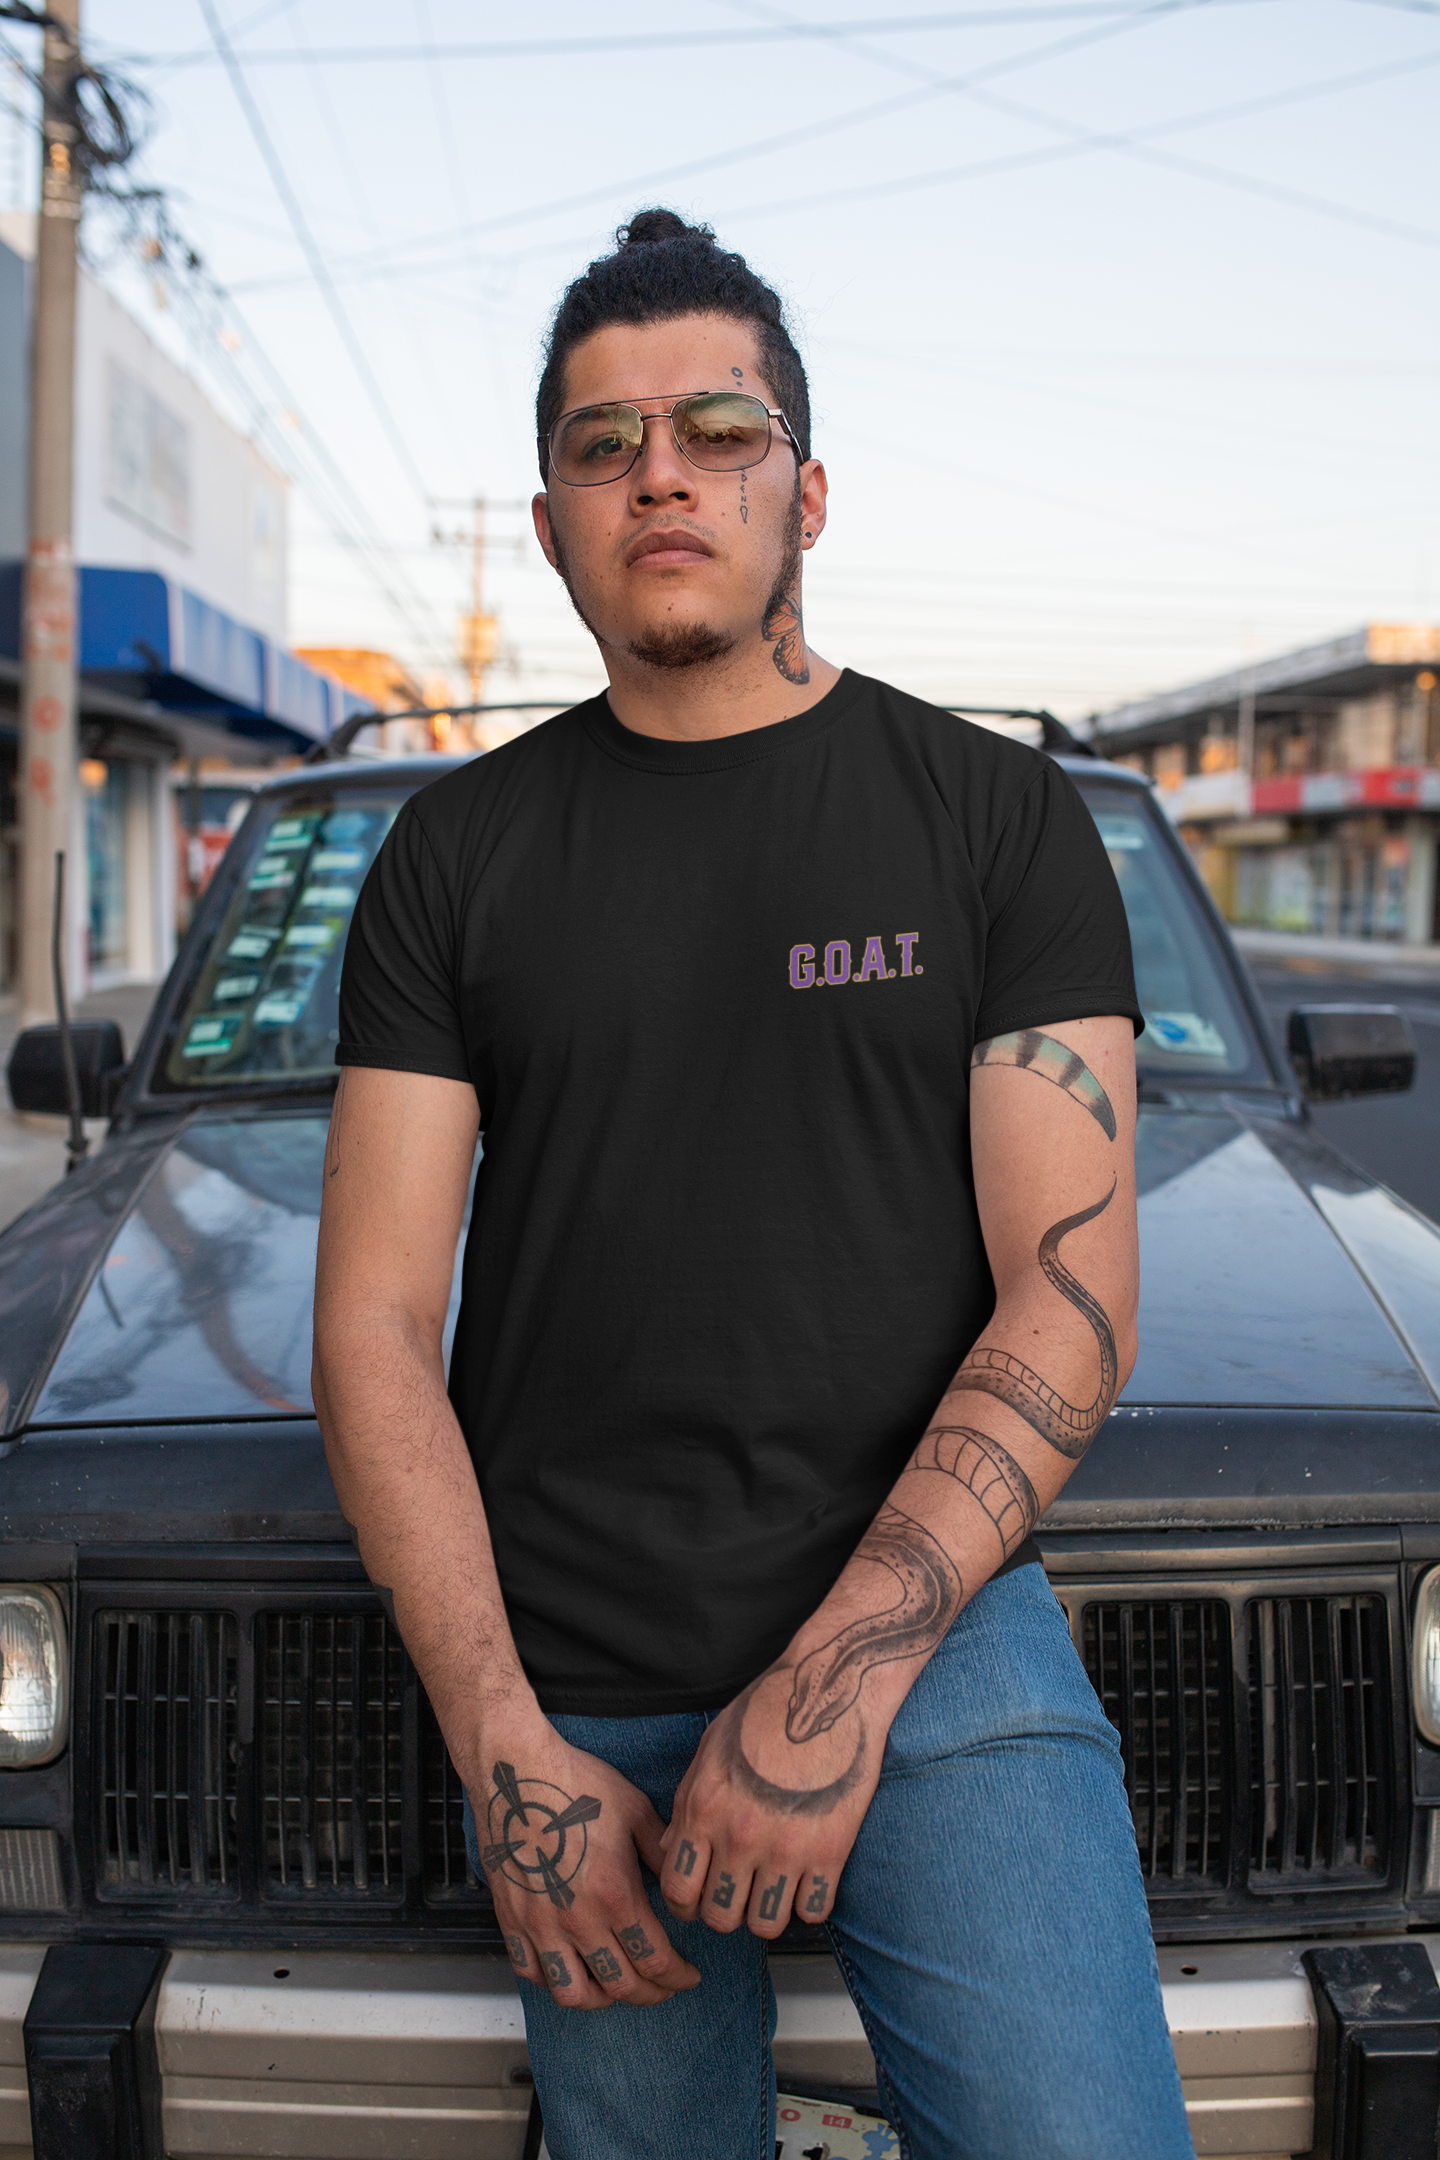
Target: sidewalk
{"x":32,"y":1149}
{"x":1368,"y":954}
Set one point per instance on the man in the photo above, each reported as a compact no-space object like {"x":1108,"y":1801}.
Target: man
{"x":723,"y":1619}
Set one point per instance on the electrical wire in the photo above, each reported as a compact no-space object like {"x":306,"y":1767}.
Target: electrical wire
{"x":319,"y":269}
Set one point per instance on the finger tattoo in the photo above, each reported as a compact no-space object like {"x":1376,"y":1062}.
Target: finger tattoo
{"x":516,"y":1947}
{"x":686,"y":1857}
{"x":636,"y":1942}
{"x":816,"y":1900}
{"x":770,"y":1899}
{"x":557,"y":1972}
{"x":604,"y":1964}
{"x":723,"y":1894}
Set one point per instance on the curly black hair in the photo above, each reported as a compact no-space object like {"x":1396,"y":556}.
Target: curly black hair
{"x":662,"y":268}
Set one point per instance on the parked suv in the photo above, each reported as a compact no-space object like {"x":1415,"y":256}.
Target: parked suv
{"x":236,"y":1914}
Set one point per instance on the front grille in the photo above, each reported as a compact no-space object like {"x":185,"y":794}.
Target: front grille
{"x":165,"y":1701}
{"x":1258,"y":1738}
{"x":1162,"y":1675}
{"x":332,"y":1707}
{"x":1319,"y":1688}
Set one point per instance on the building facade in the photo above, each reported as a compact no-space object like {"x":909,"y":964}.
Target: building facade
{"x":180,"y":539}
{"x":1307,"y":786}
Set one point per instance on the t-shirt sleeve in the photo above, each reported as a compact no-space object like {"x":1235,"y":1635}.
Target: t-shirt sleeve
{"x":398,"y":1005}
{"x":1058,"y":943}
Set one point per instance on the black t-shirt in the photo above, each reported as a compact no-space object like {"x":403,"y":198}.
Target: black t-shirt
{"x":724,"y":1257}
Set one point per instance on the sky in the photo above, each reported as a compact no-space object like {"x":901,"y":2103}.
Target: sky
{"x":1122,"y":321}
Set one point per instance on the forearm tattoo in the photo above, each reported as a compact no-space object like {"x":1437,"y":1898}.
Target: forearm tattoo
{"x":828,"y":1681}
{"x":1068,"y":1427}
{"x":534,"y":1843}
{"x":990,"y":1472}
{"x":1030,"y":1051}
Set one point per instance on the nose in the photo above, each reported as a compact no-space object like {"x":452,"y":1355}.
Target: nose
{"x":660,"y":474}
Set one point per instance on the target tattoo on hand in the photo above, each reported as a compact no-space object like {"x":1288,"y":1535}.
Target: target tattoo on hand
{"x":536,"y":1843}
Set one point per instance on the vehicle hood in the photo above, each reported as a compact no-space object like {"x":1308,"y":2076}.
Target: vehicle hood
{"x":1289,"y":1307}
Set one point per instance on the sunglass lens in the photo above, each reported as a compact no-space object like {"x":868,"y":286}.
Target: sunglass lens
{"x":722,"y":430}
{"x":598,"y":443}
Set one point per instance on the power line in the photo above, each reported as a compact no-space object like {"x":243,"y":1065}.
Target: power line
{"x":318,"y":267}
{"x":661,"y":40}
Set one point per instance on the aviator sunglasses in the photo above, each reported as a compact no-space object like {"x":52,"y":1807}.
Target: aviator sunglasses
{"x":718,"y":430}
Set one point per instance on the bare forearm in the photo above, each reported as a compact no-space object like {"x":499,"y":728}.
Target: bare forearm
{"x":406,"y":1483}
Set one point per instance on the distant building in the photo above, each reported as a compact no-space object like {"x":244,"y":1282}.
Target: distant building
{"x":180,"y":535}
{"x":1307,"y":786}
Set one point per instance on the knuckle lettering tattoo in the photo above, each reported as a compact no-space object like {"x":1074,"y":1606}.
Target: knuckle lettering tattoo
{"x":816,"y":1900}
{"x":557,"y":1972}
{"x":535,"y":1843}
{"x":516,"y":1947}
{"x":723,"y":1894}
{"x":770,"y":1899}
{"x":635,"y":1942}
{"x":604,"y":1964}
{"x":686,"y":1857}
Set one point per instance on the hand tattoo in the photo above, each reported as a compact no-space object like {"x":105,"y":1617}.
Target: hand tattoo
{"x":989,"y":1471}
{"x":686,"y":1857}
{"x":604,"y":1964}
{"x":516,"y":1946}
{"x":782,"y":629}
{"x":1068,"y":1427}
{"x":635,"y":1942}
{"x":816,"y":1900}
{"x":723,"y":1894}
{"x":535,"y":1844}
{"x":557,"y":1972}
{"x":770,"y":1899}
{"x":1033,"y":1052}
{"x":828,"y":1681}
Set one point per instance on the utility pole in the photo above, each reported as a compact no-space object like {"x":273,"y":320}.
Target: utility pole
{"x":47,"y":684}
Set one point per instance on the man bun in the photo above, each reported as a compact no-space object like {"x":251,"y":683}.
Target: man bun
{"x":649,"y":226}
{"x":663,"y":268}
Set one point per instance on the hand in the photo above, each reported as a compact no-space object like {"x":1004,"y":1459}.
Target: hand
{"x":561,"y":1837}
{"x":763,"y":1822}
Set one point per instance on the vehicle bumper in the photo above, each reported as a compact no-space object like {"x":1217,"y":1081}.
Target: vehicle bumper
{"x":377,"y":2055}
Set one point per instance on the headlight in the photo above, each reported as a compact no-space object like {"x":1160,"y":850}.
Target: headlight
{"x":1425,"y":1665}
{"x":34,"y":1676}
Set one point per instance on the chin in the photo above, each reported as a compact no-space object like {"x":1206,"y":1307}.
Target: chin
{"x":680,"y":645}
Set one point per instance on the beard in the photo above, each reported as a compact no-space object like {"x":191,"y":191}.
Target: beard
{"x":697,"y":644}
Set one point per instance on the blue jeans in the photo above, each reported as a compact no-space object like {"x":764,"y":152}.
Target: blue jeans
{"x":990,"y":1924}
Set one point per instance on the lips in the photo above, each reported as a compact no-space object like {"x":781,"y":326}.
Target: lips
{"x":672,"y":548}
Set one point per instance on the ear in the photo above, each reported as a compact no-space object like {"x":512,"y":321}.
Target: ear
{"x":814,"y":488}
{"x":540,"y":511}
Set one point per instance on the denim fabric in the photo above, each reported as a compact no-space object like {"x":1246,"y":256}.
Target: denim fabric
{"x":990,"y":1924}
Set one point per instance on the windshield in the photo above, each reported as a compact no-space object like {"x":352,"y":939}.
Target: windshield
{"x":265,"y":1005}
{"x":1195,"y":1026}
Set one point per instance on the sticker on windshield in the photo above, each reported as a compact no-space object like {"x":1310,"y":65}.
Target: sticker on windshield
{"x":1185,"y":1032}
{"x":235,"y":986}
{"x":1118,"y":831}
{"x":212,"y":1034}
{"x":321,"y":934}
{"x":272,"y":872}
{"x":292,"y":832}
{"x":332,"y":896}
{"x":278,"y":1011}
{"x":250,"y":945}
{"x":338,"y":858}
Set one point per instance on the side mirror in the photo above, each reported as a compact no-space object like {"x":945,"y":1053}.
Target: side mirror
{"x":1343,"y":1050}
{"x":36,"y":1071}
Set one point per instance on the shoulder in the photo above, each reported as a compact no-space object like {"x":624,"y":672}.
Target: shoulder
{"x":980,"y":775}
{"x":455,"y":812}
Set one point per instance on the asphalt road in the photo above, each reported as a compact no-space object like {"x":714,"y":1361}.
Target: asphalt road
{"x":1395,"y":1137}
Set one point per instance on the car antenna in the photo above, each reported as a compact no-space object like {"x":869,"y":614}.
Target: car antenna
{"x":77,"y":1145}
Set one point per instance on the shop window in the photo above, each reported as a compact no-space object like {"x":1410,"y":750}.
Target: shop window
{"x":107,"y":797}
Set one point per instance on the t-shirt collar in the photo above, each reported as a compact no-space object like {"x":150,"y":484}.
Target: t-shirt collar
{"x":653,"y":753}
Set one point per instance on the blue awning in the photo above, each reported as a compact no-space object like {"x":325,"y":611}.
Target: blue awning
{"x":147,"y":637}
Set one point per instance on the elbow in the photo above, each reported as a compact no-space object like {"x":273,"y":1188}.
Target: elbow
{"x":1127,"y":1349}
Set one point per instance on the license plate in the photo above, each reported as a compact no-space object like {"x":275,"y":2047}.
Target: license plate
{"x":822,"y":2130}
